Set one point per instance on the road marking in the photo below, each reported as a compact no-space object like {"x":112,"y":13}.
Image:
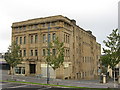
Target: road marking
{"x":19,"y":86}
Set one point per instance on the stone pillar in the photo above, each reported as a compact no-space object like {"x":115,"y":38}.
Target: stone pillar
{"x":27,"y":71}
{"x":38,"y":66}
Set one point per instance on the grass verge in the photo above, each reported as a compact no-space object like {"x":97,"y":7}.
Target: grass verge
{"x":62,"y":86}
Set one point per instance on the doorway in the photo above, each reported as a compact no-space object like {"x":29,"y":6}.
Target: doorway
{"x":32,"y":68}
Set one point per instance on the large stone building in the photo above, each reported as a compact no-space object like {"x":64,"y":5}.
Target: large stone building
{"x":82,"y":52}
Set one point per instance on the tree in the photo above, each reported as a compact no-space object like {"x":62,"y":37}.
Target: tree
{"x":111,"y":55}
{"x":55,"y":57}
{"x":13,"y":56}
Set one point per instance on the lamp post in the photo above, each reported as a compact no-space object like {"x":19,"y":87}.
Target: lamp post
{"x":48,"y":42}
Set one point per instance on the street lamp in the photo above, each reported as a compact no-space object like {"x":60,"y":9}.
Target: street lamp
{"x":48,"y":42}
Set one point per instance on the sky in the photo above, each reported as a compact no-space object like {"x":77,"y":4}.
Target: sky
{"x":99,"y":16}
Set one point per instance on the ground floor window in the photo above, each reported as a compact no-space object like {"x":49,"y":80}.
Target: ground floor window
{"x":20,"y":70}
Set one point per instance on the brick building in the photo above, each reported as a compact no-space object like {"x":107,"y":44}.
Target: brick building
{"x":82,"y":52}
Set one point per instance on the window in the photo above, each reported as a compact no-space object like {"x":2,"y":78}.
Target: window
{"x":24,"y":28}
{"x":54,"y":36}
{"x":20,"y":28}
{"x":16,"y":40}
{"x":31,"y":39}
{"x":36,"y":38}
{"x":16,"y":28}
{"x":36,"y":52}
{"x":24,"y":39}
{"x":35,"y":26}
{"x":31,"y":53}
{"x":44,"y":38}
{"x":66,"y":38}
{"x":20,"y":40}
{"x":54,"y":51}
{"x":53,"y":23}
{"x":24,"y":53}
{"x":49,"y":38}
{"x":48,"y":24}
{"x":20,"y":70}
{"x":68,"y":52}
{"x":44,"y":52}
{"x":20,"y":53}
{"x":43,"y":25}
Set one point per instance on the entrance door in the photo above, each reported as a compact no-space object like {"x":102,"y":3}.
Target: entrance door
{"x":32,"y":68}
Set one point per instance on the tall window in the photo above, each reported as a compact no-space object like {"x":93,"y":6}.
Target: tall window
{"x":43,"y":25}
{"x":20,"y":53}
{"x":54,"y":51}
{"x":36,"y":38}
{"x":49,"y":38}
{"x":53,"y":36}
{"x":68,"y":39}
{"x":44,"y":38}
{"x":31,"y":39}
{"x":20,"y":40}
{"x":24,"y":53}
{"x":44,"y":52}
{"x":31,"y":53}
{"x":16,"y":40}
{"x":64,"y":37}
{"x":24,"y":39}
{"x":36,"y":52}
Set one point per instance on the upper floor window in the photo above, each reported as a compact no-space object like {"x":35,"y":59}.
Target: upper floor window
{"x":16,"y":40}
{"x":64,"y":37}
{"x":24,"y":39}
{"x":49,"y":38}
{"x":20,"y":40}
{"x":20,"y":28}
{"x":36,"y":38}
{"x":53,"y":36}
{"x":44,"y":38}
{"x":24,"y":28}
{"x":43,"y":25}
{"x":54,"y":51}
{"x":36,"y":52}
{"x":44,"y":53}
{"x":31,"y":53}
{"x":68,"y":39}
{"x":20,"y":53}
{"x":53,"y":23}
{"x":35,"y":26}
{"x":24,"y":53}
{"x":31,"y":39}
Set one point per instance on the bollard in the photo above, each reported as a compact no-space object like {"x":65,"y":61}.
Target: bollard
{"x":104,"y":78}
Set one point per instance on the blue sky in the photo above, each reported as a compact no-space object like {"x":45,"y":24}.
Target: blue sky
{"x":99,"y":16}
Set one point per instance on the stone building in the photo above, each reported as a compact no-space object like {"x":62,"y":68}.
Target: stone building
{"x":82,"y":52}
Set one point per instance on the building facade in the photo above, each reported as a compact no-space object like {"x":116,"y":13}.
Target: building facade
{"x":82,"y":52}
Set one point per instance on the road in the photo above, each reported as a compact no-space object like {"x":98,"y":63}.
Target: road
{"x":81,"y":83}
{"x":18,"y":86}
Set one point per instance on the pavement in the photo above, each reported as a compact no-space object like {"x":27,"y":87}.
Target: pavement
{"x":78,"y":83}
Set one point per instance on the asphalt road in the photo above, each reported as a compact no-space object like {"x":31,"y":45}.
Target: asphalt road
{"x":81,"y":83}
{"x":19,"y":86}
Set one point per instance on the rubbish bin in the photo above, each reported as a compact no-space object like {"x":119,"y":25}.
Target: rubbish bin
{"x":101,"y":78}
